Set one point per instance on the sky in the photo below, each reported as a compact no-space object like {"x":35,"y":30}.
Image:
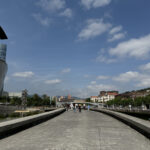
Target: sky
{"x":77,"y":47}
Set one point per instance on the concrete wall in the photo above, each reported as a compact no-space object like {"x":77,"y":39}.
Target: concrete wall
{"x":140,"y":125}
{"x":8,"y":109}
{"x":10,"y":127}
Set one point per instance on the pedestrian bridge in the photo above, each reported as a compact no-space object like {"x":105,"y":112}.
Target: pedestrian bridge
{"x":87,"y":130}
{"x":100,"y":105}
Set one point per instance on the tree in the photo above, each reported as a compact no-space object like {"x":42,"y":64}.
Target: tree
{"x":15,"y":101}
{"x":138,"y":101}
{"x":88,"y":100}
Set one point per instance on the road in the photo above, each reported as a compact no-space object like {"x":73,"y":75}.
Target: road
{"x":77,"y":131}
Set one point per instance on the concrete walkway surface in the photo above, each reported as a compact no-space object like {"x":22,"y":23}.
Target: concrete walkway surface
{"x":78,"y":131}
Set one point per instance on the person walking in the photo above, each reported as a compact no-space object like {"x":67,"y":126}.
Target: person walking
{"x":84,"y":106}
{"x":71,"y":106}
{"x":88,"y":107}
{"x":79,"y":107}
{"x":67,"y":108}
{"x":74,"y":107}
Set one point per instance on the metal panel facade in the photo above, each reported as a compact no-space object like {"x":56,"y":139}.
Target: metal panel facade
{"x":3,"y":71}
{"x":3,"y":48}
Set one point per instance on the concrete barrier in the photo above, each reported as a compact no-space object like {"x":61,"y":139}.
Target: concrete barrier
{"x":8,"y":109}
{"x":13,"y":126}
{"x":140,"y":125}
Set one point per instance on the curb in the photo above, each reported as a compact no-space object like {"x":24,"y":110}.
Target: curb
{"x":137,"y":125}
{"x":13,"y":126}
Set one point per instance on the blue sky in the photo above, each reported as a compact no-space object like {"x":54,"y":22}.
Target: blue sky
{"x":76,"y":47}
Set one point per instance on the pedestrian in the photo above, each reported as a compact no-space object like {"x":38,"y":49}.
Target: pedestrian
{"x":71,"y":106}
{"x":88,"y":107}
{"x":74,"y":107}
{"x":84,"y":106}
{"x":66,"y":105}
{"x":79,"y":108}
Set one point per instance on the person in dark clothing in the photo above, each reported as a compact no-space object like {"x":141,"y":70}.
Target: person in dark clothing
{"x":66,"y":106}
{"x":79,"y":108}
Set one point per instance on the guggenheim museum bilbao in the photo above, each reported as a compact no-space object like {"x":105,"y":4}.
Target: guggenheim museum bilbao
{"x":3,"y":64}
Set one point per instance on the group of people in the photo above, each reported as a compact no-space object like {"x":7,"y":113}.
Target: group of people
{"x":76,"y":107}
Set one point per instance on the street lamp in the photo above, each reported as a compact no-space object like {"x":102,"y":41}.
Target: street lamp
{"x":50,"y":100}
{"x":24,"y":98}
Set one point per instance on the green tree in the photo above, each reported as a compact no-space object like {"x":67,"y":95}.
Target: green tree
{"x":88,"y":100}
{"x":15,"y":101}
{"x":138,"y":101}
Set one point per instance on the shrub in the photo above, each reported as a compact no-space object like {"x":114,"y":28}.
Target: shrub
{"x":14,"y":115}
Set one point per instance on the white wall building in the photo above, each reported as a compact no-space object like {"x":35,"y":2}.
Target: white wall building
{"x":15,"y":94}
{"x":95,"y":99}
{"x":106,"y":98}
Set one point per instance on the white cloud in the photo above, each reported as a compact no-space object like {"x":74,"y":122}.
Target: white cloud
{"x":136,"y":78}
{"x":67,"y":70}
{"x":139,"y":48}
{"x":55,"y":81}
{"x":145,"y":67}
{"x":107,"y":15}
{"x":93,"y":89}
{"x":51,"y":5}
{"x":127,"y":77}
{"x":144,"y":82}
{"x":43,"y":21}
{"x":86,"y":76}
{"x":94,"y":27}
{"x":104,"y":59}
{"x":27,"y":74}
{"x":115,"y":30}
{"x":66,"y":13}
{"x":94,"y":3}
{"x":96,"y":88}
{"x":102,"y":77}
{"x":117,"y":36}
{"x":93,"y":82}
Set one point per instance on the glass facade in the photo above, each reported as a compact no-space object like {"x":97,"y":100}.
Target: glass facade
{"x":3,"y":48}
{"x":3,"y":71}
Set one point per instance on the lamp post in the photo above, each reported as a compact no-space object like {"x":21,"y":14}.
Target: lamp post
{"x":50,"y":100}
{"x":113,"y":104}
{"x":24,"y":99}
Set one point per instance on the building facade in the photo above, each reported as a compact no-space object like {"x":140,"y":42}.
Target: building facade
{"x":106,"y":96}
{"x":3,"y":71}
{"x":3,"y":65}
{"x":15,"y":94}
{"x":95,"y":99}
{"x":3,"y":48}
{"x":134,"y":94}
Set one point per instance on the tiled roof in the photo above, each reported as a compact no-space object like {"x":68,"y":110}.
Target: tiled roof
{"x":94,"y":96}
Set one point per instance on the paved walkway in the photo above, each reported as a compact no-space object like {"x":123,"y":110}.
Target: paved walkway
{"x":77,"y":131}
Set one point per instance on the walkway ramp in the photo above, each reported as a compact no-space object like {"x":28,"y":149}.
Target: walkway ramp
{"x":78,"y":131}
